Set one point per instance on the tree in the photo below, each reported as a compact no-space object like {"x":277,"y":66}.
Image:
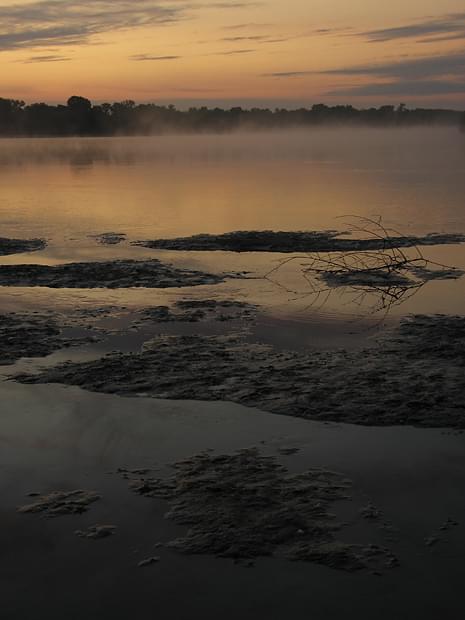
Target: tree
{"x":79,"y":103}
{"x":80,"y":115}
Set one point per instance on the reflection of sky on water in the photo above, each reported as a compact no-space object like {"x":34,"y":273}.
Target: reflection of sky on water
{"x":66,"y":190}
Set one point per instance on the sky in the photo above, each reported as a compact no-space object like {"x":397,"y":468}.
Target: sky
{"x":270,"y":53}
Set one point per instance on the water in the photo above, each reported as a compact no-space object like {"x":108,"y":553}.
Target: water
{"x":54,"y":437}
{"x":66,"y":190}
{"x":169,"y":186}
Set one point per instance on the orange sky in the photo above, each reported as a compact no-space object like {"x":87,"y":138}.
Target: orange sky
{"x":264,"y":52}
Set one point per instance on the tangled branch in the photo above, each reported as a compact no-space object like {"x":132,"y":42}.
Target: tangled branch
{"x":373,"y":280}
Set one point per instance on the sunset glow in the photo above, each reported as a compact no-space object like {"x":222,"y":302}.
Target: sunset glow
{"x":269,"y":53}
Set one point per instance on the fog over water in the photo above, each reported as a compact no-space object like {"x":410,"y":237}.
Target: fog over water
{"x":176,"y":185}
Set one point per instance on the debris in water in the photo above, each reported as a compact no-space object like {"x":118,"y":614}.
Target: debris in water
{"x":148,"y":562}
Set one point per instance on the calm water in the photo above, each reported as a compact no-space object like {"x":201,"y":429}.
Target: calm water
{"x":55,"y":437}
{"x":66,"y":190}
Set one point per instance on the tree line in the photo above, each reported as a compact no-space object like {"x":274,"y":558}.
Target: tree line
{"x":80,"y":118}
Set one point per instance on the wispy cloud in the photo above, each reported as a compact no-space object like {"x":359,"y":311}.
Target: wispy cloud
{"x":288,"y":74}
{"x":231,"y":52}
{"x":249,"y":38}
{"x":245,"y":26}
{"x":45,"y":59}
{"x":148,"y":57}
{"x":411,"y":68}
{"x":422,"y":67}
{"x":402,"y":88}
{"x":65,"y":22}
{"x":443,"y":28}
{"x":425,"y":75}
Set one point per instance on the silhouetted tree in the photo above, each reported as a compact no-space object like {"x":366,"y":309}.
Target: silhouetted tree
{"x":80,"y":117}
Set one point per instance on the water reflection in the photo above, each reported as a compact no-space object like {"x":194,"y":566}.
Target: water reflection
{"x":69,"y":190}
{"x":373,"y":281}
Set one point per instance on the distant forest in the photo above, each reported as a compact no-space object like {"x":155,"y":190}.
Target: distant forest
{"x":80,"y":118}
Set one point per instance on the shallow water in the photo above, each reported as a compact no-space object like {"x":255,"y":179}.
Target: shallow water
{"x":56,"y":438}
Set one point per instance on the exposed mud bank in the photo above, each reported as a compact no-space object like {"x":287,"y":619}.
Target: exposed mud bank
{"x":246,"y":505}
{"x":414,"y":375}
{"x":31,"y":335}
{"x":194,"y":311}
{"x":109,"y":274}
{"x":285,"y":242}
{"x":372,"y":279}
{"x":18,"y":246}
{"x":109,"y":238}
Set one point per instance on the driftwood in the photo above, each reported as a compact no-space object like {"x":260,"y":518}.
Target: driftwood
{"x":373,"y":280}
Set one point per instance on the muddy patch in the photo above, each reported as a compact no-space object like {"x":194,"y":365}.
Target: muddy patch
{"x":388,"y":278}
{"x":19,"y":246}
{"x":413,"y":375}
{"x":194,"y":311}
{"x":60,"y":503}
{"x":109,"y":274}
{"x":287,"y":242}
{"x":246,"y":505}
{"x":33,"y":335}
{"x":109,"y":238}
{"x":97,"y":532}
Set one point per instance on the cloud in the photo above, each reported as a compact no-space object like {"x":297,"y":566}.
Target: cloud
{"x":262,"y":39}
{"x":418,"y":68}
{"x":147,"y":57}
{"x":245,"y":26}
{"x":402,"y":88}
{"x":425,"y":75}
{"x":231,"y":52}
{"x":250,"y":38}
{"x":289,"y":74}
{"x":412,"y":68}
{"x":69,"y":22}
{"x":443,"y":28}
{"x":47,"y":58}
